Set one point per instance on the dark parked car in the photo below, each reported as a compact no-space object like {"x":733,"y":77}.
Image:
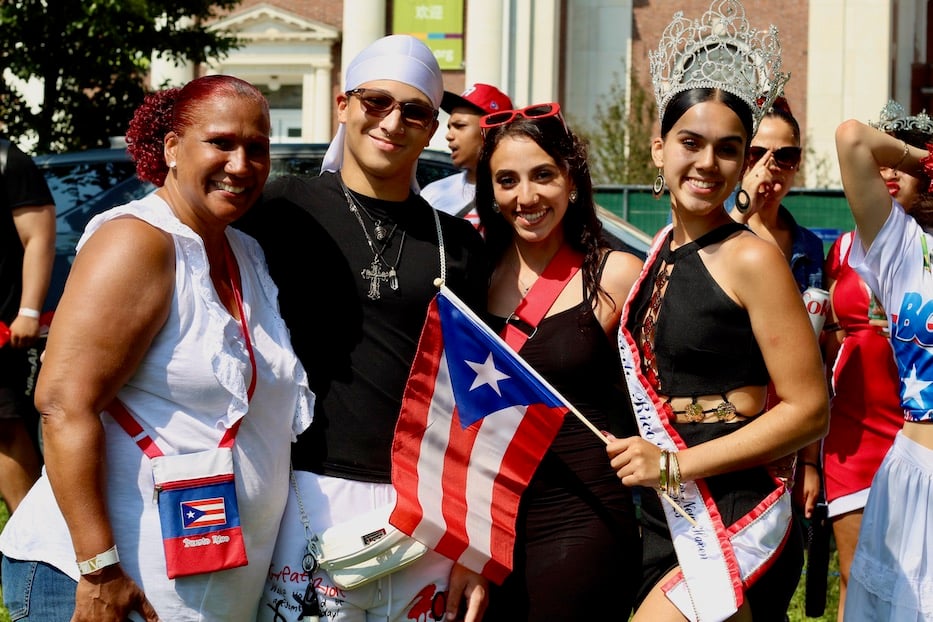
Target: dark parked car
{"x":89,"y":182}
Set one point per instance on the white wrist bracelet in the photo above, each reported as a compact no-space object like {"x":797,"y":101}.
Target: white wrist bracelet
{"x":27,"y":312}
{"x":99,"y":561}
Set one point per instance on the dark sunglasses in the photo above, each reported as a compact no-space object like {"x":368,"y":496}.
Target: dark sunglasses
{"x":787,"y":158}
{"x":379,"y":104}
{"x":536,"y":111}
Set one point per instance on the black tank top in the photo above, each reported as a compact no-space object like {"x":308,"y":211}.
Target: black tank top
{"x":704,"y":344}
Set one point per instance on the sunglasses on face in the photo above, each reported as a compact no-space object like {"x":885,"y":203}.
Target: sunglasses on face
{"x":536,"y":111}
{"x":379,"y":104}
{"x":787,"y":158}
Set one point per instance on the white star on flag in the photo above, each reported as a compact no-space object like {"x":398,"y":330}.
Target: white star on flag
{"x":486,"y":373}
{"x":914,"y":387}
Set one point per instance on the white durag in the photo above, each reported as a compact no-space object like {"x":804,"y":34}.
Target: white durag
{"x":402,"y":58}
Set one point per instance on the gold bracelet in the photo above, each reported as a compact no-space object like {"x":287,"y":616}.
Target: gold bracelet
{"x":662,"y":476}
{"x":673,"y":475}
{"x":903,"y":156}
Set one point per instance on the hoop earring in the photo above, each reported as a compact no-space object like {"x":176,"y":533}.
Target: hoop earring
{"x":742,"y":201}
{"x":658,"y":186}
{"x":573,"y":196}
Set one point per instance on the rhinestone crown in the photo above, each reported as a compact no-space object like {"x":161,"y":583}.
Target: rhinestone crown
{"x":719,"y":50}
{"x":894,"y":118}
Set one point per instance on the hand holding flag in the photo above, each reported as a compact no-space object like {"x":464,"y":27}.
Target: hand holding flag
{"x":475,"y":422}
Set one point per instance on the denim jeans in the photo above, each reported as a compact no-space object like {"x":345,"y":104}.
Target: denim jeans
{"x":36,"y":592}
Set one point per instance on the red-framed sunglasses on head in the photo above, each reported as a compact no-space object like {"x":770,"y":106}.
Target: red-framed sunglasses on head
{"x":535,"y":111}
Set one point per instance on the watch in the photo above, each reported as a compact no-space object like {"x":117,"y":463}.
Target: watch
{"x":99,"y":561}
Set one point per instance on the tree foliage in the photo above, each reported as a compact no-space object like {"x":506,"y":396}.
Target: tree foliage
{"x":93,"y":57}
{"x":620,"y":138}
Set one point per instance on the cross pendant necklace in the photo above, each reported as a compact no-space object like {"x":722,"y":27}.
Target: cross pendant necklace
{"x":376,"y":276}
{"x":375,"y":273}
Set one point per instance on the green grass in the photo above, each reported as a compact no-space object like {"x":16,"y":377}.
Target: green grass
{"x":4,"y":515}
{"x":794,"y":614}
{"x":796,"y":611}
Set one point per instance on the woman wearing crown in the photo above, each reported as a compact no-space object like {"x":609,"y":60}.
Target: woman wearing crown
{"x":890,"y":576}
{"x":714,"y":318}
{"x":866,"y":412}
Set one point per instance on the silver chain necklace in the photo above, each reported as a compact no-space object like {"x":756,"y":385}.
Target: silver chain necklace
{"x":375,"y":273}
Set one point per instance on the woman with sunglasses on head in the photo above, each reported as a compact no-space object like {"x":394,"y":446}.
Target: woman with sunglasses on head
{"x":890,"y":574}
{"x":577,"y":551}
{"x":714,"y":319}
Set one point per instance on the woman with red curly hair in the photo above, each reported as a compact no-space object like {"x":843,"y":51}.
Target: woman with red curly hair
{"x":168,"y":360}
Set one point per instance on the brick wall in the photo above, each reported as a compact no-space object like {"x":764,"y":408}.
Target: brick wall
{"x":650,"y":17}
{"x":329,"y":12}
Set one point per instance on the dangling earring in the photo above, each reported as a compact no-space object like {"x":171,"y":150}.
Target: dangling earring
{"x":495,"y":206}
{"x":658,"y":186}
{"x":573,"y":196}
{"x":742,"y":201}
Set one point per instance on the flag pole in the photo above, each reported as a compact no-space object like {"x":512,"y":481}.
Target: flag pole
{"x":439,"y":283}
{"x":603,"y":438}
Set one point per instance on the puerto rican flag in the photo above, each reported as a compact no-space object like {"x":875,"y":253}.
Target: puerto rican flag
{"x":203,"y":513}
{"x":476,"y":421}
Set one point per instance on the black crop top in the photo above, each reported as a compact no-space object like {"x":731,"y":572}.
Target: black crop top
{"x":704,"y":343}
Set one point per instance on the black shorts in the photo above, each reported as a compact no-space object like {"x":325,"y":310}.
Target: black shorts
{"x":18,"y":371}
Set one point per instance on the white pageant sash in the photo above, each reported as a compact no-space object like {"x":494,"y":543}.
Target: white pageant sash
{"x":715,"y":560}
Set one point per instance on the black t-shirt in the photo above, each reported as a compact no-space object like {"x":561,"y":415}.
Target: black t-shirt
{"x":21,"y":185}
{"x":357,"y":350}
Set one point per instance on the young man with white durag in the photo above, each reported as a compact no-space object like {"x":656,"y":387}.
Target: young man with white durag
{"x":355,"y":253}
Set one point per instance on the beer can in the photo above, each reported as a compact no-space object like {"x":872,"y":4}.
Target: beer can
{"x":817,"y":302}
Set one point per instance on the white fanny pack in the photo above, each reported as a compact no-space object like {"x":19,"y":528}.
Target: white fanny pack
{"x":365,"y":549}
{"x":360,"y":550}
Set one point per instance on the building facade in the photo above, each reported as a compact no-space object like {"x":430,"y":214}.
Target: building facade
{"x":846,"y":57}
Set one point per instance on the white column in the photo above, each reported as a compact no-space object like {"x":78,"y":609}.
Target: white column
{"x":544,"y":67}
{"x":323,"y":106}
{"x":536,"y":44}
{"x":521,"y":40}
{"x":364,"y":21}
{"x":848,"y":73}
{"x":483,"y":47}
{"x":164,"y":73}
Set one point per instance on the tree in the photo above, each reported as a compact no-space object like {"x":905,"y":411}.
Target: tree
{"x":92,"y":57}
{"x":620,"y":140}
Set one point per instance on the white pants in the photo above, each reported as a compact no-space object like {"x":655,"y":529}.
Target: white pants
{"x":891,"y":577}
{"x":416,"y":593}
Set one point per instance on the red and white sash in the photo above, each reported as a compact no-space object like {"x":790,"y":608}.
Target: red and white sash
{"x":715,"y":560}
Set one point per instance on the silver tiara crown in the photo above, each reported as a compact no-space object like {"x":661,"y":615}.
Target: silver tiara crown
{"x":719,"y":50}
{"x":894,"y":118}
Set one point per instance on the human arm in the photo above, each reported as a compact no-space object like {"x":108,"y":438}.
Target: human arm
{"x":756,"y":275}
{"x":35,"y":226}
{"x":619,"y":275}
{"x":115,"y":301}
{"x":470,"y":588}
{"x":862,"y":151}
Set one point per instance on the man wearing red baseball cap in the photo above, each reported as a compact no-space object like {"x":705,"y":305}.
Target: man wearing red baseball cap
{"x":454,"y":194}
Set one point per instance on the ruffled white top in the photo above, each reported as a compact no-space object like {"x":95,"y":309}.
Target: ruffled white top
{"x":190,"y":387}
